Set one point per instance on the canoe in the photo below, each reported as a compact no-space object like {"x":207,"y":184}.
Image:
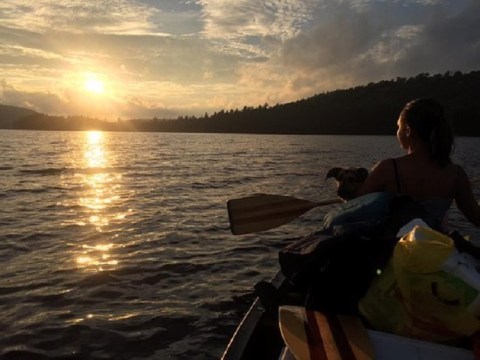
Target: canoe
{"x":258,"y":336}
{"x":278,"y":326}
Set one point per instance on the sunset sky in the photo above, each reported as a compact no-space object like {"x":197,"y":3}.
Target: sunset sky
{"x":164,"y":58}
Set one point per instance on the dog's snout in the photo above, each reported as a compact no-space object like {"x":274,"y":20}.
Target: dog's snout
{"x":348,"y":180}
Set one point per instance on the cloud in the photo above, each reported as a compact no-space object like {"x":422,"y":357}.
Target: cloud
{"x":244,"y":27}
{"x":379,"y":42}
{"x":337,"y":41}
{"x":45,"y":102}
{"x":244,"y":18}
{"x":115,"y":16}
{"x":447,"y":42}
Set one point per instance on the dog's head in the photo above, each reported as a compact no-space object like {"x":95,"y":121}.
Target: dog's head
{"x":348,"y":180}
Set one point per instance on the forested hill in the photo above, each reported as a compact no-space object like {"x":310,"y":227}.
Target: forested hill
{"x":369,"y":109}
{"x":10,"y":114}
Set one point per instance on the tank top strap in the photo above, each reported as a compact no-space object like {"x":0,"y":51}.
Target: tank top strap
{"x":397,"y":176}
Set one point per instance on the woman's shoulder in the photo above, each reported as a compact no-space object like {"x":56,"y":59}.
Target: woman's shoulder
{"x":385,"y":164}
{"x":414,"y":163}
{"x":455,"y":170}
{"x":396,"y":160}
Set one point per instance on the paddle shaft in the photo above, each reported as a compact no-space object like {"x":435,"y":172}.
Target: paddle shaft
{"x":262,"y":212}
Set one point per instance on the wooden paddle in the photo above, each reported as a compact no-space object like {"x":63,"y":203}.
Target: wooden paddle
{"x":262,"y":212}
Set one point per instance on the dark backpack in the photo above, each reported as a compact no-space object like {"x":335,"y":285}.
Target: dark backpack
{"x":337,"y":264}
{"x":335,"y":269}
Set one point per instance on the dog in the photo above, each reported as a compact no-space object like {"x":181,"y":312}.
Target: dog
{"x":348,"y":180}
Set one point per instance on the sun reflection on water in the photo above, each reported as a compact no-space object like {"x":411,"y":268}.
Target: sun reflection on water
{"x":95,"y":153}
{"x":97,"y":256}
{"x":108,"y":317}
{"x":100,"y":194}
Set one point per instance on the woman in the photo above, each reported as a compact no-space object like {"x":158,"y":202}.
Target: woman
{"x":426,"y":173}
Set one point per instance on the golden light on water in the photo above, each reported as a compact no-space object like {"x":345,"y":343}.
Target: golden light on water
{"x":103,"y":247}
{"x":103,"y":317}
{"x":84,"y":260}
{"x":94,"y":137}
{"x":95,"y":153}
{"x":100,"y":194}
{"x":97,"y":256}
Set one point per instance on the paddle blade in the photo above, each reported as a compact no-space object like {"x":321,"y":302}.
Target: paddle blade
{"x":262,"y":212}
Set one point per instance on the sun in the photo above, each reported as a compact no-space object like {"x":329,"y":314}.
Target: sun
{"x":94,"y":85}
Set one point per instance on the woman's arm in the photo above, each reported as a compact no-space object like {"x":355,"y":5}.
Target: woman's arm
{"x":465,"y":200}
{"x":377,"y":179}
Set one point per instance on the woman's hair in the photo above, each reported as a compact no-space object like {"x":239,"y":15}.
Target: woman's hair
{"x":425,"y":117}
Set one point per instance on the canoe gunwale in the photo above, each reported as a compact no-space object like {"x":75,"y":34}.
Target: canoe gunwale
{"x":241,"y":343}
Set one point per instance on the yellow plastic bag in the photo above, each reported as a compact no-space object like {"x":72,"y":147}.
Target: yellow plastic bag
{"x":382,"y":305}
{"x":429,"y":291}
{"x":439,"y":287}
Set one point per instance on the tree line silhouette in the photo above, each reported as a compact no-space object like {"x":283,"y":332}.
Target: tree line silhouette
{"x":369,"y":109}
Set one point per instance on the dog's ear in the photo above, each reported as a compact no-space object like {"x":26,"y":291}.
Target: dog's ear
{"x":362,"y":173}
{"x":333,"y":172}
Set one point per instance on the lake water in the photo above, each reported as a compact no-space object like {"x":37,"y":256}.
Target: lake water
{"x":117,"y":245}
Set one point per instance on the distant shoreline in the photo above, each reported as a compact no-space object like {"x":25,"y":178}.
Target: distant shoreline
{"x":364,"y":110}
{"x":218,"y":133}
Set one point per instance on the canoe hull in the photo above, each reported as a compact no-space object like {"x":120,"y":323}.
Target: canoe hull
{"x":258,"y":337}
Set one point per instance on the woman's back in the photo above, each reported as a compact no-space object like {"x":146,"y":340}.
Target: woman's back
{"x":421,"y":179}
{"x":424,"y":179}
